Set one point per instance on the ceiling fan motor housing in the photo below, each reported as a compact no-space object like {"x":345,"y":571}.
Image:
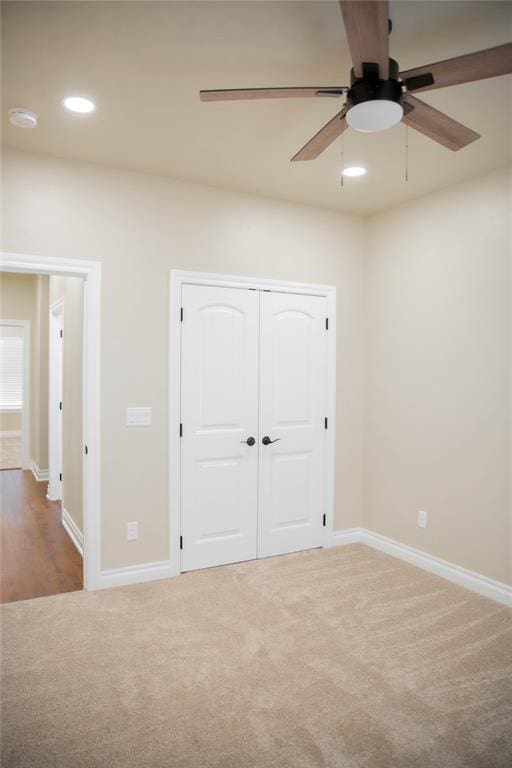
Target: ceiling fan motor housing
{"x":374,"y":104}
{"x":370,"y":87}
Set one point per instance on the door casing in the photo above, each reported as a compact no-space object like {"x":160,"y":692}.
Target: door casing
{"x":55,"y":394}
{"x":179,"y":278}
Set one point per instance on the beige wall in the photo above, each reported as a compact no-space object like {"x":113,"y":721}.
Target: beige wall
{"x":10,"y":422}
{"x":438,"y":389}
{"x":140,"y":227}
{"x":424,"y":338}
{"x":25,"y":297}
{"x":70,"y":289}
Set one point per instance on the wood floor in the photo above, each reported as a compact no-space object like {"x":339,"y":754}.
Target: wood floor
{"x":37,"y":556}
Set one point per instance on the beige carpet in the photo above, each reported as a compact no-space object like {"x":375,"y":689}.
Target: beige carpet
{"x":335,"y":658}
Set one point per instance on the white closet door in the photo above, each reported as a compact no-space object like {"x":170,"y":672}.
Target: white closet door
{"x":219,"y":396}
{"x":293,"y":366}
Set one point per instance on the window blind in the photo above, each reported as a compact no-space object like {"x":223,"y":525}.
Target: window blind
{"x":11,"y":372}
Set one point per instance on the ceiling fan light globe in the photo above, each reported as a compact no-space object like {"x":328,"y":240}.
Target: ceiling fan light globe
{"x":374,"y":116}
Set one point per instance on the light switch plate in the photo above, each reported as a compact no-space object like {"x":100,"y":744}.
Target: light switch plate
{"x":138,"y":417}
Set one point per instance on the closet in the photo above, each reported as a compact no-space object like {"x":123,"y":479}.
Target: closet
{"x":253,"y":424}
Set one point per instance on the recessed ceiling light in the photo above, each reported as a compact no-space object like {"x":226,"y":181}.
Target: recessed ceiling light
{"x":354,"y":170}
{"x":79,"y":104}
{"x":22,"y":118}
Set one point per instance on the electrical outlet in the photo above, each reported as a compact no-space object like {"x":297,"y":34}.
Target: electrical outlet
{"x":422,"y":519}
{"x":132,"y":531}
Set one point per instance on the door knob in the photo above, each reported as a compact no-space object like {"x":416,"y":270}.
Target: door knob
{"x":249,"y":441}
{"x":266,"y":440}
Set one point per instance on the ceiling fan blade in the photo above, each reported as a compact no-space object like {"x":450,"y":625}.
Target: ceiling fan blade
{"x":323,"y":138}
{"x":463,"y":69}
{"x":367,"y":27}
{"x":437,"y":126}
{"x":243,"y":94}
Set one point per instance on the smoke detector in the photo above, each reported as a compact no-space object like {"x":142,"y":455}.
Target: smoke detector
{"x":22,"y":118}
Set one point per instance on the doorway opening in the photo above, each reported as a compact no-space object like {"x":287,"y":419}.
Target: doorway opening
{"x":41,"y":523}
{"x":51,"y":503}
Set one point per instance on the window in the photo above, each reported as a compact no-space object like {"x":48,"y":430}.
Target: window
{"x":11,"y":368}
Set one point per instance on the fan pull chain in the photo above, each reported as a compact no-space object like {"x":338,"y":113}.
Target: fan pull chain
{"x":406,"y":121}
{"x":341,"y":175}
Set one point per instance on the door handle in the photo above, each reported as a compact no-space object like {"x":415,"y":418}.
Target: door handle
{"x":249,"y":441}
{"x":267,"y":441}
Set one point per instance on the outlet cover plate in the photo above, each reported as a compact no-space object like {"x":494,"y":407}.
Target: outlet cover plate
{"x":422,"y":519}
{"x":132,"y":531}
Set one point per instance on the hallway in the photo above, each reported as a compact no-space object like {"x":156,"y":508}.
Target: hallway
{"x":37,"y":556}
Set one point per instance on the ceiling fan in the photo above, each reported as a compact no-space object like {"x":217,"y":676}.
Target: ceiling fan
{"x":379,"y":95}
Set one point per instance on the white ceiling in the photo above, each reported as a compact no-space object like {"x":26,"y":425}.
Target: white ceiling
{"x":143,"y":64}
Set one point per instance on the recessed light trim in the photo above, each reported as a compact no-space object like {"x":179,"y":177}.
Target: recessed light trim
{"x":79,"y":104}
{"x":354,"y":170}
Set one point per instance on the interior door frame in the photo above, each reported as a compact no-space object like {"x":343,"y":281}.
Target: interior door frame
{"x":25,"y":409}
{"x":178,"y":278}
{"x":55,"y":426}
{"x":90,"y":272}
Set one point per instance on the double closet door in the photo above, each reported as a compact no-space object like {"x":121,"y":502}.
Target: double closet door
{"x":253,"y":413}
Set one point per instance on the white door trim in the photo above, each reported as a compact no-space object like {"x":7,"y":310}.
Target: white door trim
{"x":25,"y":411}
{"x":90,"y":271}
{"x":179,"y":278}
{"x":55,"y":432}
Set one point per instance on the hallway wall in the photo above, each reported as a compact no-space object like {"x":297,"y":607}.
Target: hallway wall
{"x":39,"y":418}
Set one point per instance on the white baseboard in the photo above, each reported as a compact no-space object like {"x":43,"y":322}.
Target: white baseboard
{"x":135,"y":574}
{"x":496,"y":590}
{"x":51,"y":494}
{"x":347,"y":536}
{"x":73,"y":531}
{"x":41,"y":475}
{"x":483,"y":585}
